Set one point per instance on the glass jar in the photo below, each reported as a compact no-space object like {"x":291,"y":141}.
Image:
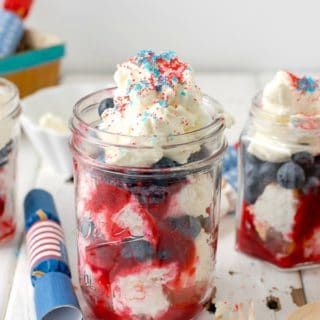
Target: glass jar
{"x":279,"y":198}
{"x":9,"y":132}
{"x":147,"y":236}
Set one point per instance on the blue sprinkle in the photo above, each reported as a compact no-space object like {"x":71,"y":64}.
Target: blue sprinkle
{"x":156,"y":72}
{"x":143,"y":53}
{"x":167,"y":55}
{"x":137,"y":87}
{"x":145,"y":116}
{"x":154,"y":139}
{"x":163,"y":103}
{"x":174,"y":79}
{"x":307,"y":84}
{"x":183,"y":93}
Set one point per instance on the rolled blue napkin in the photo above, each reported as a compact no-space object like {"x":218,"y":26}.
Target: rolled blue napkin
{"x":230,"y":166}
{"x":11,"y":32}
{"x":50,"y":273}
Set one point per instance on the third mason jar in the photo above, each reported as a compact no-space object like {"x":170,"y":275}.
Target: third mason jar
{"x":9,"y":133}
{"x":279,"y":196}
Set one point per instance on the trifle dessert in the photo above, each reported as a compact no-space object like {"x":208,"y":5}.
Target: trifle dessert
{"x":9,"y":131}
{"x":279,"y":201}
{"x":147,"y":163}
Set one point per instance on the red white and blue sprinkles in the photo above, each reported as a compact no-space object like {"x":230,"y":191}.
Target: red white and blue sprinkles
{"x":164,"y":71}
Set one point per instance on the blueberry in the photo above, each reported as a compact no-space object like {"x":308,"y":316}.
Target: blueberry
{"x":187,"y":225}
{"x":252,"y":189}
{"x":165,"y":162}
{"x":141,"y":250}
{"x":104,"y":105}
{"x":253,"y":185}
{"x":251,"y":158}
{"x":317,"y":158}
{"x":311,"y":183}
{"x":251,"y":168}
{"x":199,"y":155}
{"x":315,"y":170}
{"x":304,"y":159}
{"x":268,"y":172}
{"x":4,"y":153}
{"x":291,"y":176}
{"x":86,"y":227}
{"x":206,"y":223}
{"x":164,"y":255}
{"x":151,"y":194}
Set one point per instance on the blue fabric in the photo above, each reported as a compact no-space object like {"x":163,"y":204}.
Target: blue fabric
{"x":230,"y":166}
{"x":11,"y":31}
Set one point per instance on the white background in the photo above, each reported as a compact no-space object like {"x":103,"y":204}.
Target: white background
{"x":212,"y":35}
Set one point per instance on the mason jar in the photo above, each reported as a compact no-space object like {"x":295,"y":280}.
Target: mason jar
{"x":9,"y":133}
{"x":147,"y":235}
{"x":278,"y":210}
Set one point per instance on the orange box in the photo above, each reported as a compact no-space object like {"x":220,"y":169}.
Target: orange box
{"x":37,"y":64}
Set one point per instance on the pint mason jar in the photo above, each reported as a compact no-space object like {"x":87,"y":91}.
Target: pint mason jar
{"x":279,"y":198}
{"x":9,"y":132}
{"x":147,"y":235}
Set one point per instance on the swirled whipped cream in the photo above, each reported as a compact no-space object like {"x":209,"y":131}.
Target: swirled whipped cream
{"x":294,"y":105}
{"x":287,"y":94}
{"x":156,"y":96}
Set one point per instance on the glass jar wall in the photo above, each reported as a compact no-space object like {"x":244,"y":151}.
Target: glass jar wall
{"x":147,"y":236}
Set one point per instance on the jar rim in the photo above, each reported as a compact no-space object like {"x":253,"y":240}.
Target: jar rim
{"x":9,"y":101}
{"x":300,"y":124}
{"x":217,"y":125}
{"x":257,"y":110}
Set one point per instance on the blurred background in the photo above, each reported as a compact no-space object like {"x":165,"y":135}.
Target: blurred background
{"x":228,"y":35}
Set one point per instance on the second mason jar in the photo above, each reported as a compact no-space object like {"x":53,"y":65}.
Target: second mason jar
{"x":146,"y":236}
{"x":9,"y":132}
{"x":279,"y":199}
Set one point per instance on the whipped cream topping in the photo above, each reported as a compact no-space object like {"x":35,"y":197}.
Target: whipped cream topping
{"x":157,"y":97}
{"x":53,"y":122}
{"x":294,"y":104}
{"x":287,"y":94}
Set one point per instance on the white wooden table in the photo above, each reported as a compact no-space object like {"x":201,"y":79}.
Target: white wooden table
{"x":239,"y":279}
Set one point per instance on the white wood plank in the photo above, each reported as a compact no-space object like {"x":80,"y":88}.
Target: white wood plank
{"x":20,"y":306}
{"x":26,"y":170}
{"x":241,"y":279}
{"x":310,"y":279}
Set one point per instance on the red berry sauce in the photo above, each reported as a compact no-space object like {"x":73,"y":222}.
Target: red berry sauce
{"x":285,"y":253}
{"x":169,"y":249}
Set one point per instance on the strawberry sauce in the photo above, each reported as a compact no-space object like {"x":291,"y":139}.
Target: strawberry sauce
{"x":133,"y":238}
{"x":297,"y":250}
